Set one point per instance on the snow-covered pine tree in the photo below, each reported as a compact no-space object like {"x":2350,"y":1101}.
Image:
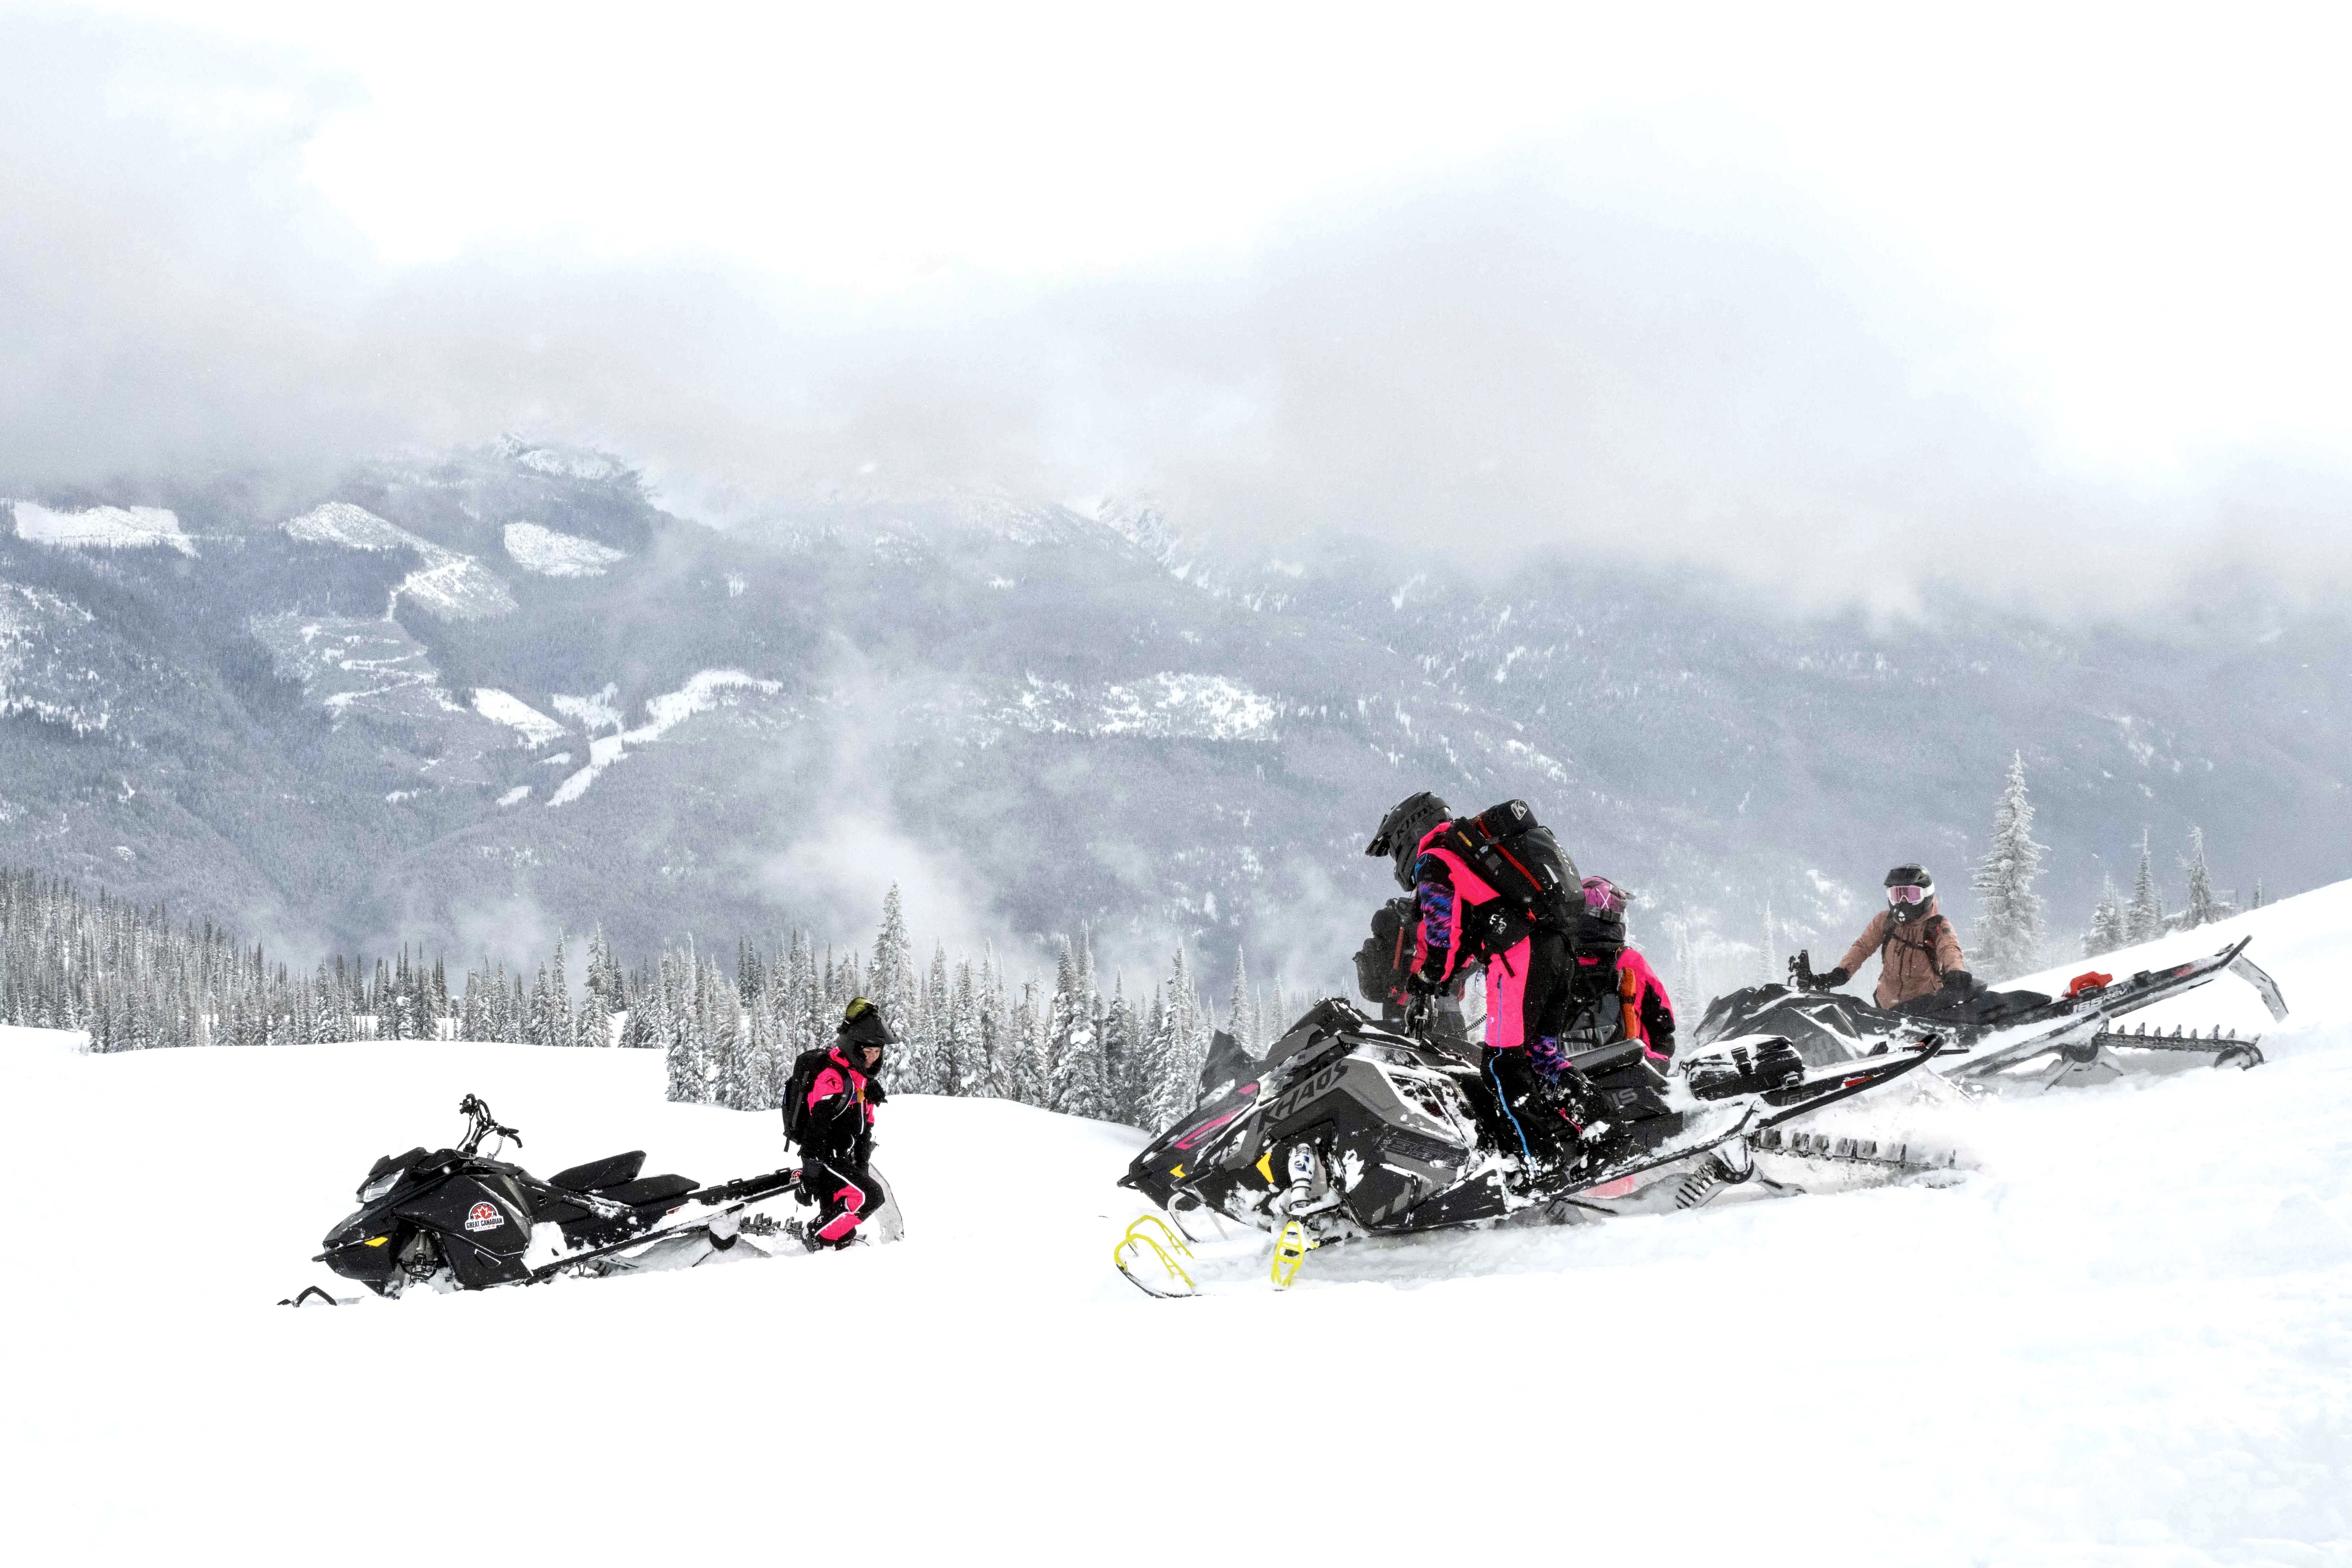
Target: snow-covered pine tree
{"x":963,"y":1060}
{"x":2144,"y":920}
{"x":1241,"y":1008}
{"x":1074,"y":1051}
{"x":2258,"y":893}
{"x":592,"y":1025}
{"x":892,"y":985}
{"x":1026,"y":1047}
{"x":996,"y":1034}
{"x":1121,"y":1056}
{"x":2008,"y":912}
{"x":928,"y":1071}
{"x":559,"y":1031}
{"x":1179,"y":1047}
{"x":2204,"y":909}
{"x":2108,"y":930}
{"x":540,"y":1025}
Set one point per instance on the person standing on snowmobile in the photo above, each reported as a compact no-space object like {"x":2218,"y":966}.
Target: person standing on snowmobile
{"x":1918,"y":955}
{"x":829,"y":1112}
{"x":1462,"y":919}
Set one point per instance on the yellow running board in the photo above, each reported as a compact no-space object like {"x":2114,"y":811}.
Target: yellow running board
{"x":1290,"y":1250}
{"x":1166,"y":1245}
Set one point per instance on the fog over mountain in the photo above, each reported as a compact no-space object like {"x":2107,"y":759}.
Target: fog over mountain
{"x":1634,"y":483}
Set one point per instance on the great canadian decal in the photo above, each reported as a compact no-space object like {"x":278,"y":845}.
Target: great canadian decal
{"x":485,"y":1216}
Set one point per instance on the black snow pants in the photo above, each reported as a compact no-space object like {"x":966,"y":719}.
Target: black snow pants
{"x":845,"y":1194}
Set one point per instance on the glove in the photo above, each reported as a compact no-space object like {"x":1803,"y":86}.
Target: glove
{"x":1961,"y":980}
{"x":1831,"y":979}
{"x":1549,"y":1060}
{"x":1419,"y":984}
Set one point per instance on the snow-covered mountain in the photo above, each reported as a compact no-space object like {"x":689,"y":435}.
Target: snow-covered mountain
{"x":2120,"y":1340}
{"x":472,"y":700}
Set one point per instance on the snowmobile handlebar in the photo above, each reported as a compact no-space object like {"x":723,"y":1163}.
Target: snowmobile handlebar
{"x":481,"y":1124}
{"x":1416,"y":1015}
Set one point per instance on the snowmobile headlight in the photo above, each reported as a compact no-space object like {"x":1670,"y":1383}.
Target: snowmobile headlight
{"x":380,"y":1185}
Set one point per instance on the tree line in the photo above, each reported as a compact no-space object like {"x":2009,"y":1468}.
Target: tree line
{"x":136,"y":980}
{"x":2010,"y":938}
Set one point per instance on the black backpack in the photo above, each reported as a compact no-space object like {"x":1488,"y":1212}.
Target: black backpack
{"x":799,"y":1087}
{"x":1520,"y":859}
{"x":1386,"y":957}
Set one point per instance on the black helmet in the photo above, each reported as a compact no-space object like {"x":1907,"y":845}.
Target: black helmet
{"x":1402,"y":829}
{"x":862,"y":1025}
{"x":1910,"y":892}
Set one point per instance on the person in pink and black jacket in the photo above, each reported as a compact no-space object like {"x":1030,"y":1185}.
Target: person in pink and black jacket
{"x":1464,"y":922}
{"x":1615,"y":994}
{"x":829,"y":1111}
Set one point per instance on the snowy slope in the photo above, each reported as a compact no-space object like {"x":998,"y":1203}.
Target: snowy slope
{"x":103,"y":528}
{"x":448,"y":583}
{"x":552,"y":554}
{"x":2124,"y":1342}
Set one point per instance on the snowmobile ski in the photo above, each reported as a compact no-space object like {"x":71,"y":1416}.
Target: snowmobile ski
{"x":1151,"y":1234}
{"x":1290,"y":1250}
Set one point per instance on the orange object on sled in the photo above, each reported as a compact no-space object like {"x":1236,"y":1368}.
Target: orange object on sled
{"x":2090,"y":980}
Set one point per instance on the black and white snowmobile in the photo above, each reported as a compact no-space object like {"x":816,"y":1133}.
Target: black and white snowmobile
{"x":1351,"y":1128}
{"x":1996,"y":1038}
{"x":458,"y":1219}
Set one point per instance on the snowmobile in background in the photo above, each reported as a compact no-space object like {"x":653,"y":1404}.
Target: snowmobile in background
{"x":1992,"y":1038}
{"x":456,"y":1218}
{"x":1350,"y":1128}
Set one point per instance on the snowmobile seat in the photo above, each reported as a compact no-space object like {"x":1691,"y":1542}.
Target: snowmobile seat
{"x":1630,"y":1087}
{"x":654,"y":1192}
{"x":611,"y":1171}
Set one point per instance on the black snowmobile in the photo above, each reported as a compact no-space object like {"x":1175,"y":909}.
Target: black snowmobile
{"x":457,"y":1218}
{"x":1351,"y":1128}
{"x":1991,"y":1036}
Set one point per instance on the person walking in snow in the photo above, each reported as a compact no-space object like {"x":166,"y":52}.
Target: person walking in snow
{"x":829,"y":1111}
{"x":1918,"y":955}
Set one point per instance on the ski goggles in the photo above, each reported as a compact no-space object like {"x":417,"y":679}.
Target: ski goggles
{"x":1906,"y":895}
{"x":1602,"y":895}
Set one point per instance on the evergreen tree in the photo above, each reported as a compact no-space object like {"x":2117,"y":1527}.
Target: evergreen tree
{"x":2109,"y":929}
{"x":2204,"y":909}
{"x":965,"y":1056}
{"x":2144,"y":921}
{"x":891,"y":985}
{"x":1241,"y":1008}
{"x":996,"y":1031}
{"x":1025,"y":1049}
{"x":2008,"y":912}
{"x":1073,"y":1049}
{"x":559,"y":1000}
{"x":1122,"y":1059}
{"x":1177,"y":1046}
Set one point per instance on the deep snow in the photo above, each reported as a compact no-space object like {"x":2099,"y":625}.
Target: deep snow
{"x":2128,"y":1338}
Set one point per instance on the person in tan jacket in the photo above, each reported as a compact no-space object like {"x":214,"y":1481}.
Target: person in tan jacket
{"x":1918,"y":955}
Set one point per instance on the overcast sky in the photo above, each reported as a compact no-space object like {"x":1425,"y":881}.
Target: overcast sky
{"x":1845,"y":296}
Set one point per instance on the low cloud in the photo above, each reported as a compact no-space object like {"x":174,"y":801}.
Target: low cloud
{"x":1517,"y":357}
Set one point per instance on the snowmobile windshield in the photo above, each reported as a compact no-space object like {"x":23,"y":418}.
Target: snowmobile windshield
{"x":1906,"y":895}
